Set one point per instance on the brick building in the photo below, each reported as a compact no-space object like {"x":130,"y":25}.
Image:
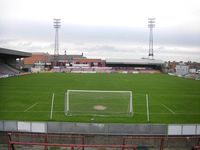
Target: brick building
{"x":41,"y":60}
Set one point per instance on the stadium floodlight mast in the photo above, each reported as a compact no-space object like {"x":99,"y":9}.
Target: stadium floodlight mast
{"x":151,"y":25}
{"x":56,"y":26}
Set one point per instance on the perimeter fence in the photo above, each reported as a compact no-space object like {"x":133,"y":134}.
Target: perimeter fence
{"x":40,"y":141}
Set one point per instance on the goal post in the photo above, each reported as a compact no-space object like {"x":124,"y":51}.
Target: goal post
{"x":98,"y":103}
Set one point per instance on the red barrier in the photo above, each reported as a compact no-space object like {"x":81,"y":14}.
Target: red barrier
{"x":45,"y":141}
{"x":162,"y":139}
{"x":78,"y":141}
{"x":72,"y":146}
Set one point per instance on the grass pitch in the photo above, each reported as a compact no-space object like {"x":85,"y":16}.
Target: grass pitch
{"x":171,"y":99}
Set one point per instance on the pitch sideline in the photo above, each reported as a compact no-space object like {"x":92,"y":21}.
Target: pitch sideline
{"x":52,"y":102}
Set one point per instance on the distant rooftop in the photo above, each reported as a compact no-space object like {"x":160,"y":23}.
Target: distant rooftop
{"x":67,"y":57}
{"x":40,"y":53}
{"x":144,"y":61}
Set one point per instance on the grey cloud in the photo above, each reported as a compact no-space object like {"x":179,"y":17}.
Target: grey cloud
{"x":104,"y":48}
{"x":6,"y":41}
{"x":25,"y":44}
{"x":101,"y":41}
{"x":27,"y":30}
{"x":177,"y":51}
{"x":124,"y":51}
{"x":101,"y":34}
{"x":83,"y":34}
{"x":178,"y":38}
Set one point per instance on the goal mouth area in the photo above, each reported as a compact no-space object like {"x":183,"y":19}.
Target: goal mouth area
{"x":92,"y":114}
{"x":98,"y":103}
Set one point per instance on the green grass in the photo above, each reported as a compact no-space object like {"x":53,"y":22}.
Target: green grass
{"x":84,"y":103}
{"x":171,"y":99}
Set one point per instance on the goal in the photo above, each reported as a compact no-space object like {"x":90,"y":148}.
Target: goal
{"x":98,"y":103}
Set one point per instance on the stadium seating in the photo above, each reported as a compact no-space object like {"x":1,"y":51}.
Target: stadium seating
{"x":7,"y":70}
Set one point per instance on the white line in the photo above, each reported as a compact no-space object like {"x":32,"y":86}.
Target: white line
{"x":147,"y":102}
{"x":131,"y":104}
{"x":141,"y":113}
{"x":30,"y":107}
{"x":52,"y":101}
{"x":67,"y":102}
{"x":168,"y":108}
{"x":99,"y":91}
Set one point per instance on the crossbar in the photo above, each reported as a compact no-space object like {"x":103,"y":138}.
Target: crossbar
{"x":103,"y":91}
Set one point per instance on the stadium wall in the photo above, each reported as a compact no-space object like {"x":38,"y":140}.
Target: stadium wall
{"x":100,"y":129}
{"x":94,"y":135}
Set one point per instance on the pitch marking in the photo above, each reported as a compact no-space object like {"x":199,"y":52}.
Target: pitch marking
{"x":147,"y":103}
{"x":168,"y":108}
{"x":52,"y":101}
{"x":38,"y":111}
{"x":30,"y":107}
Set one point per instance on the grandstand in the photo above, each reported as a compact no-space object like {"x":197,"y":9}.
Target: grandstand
{"x":136,"y":65}
{"x":9,"y":65}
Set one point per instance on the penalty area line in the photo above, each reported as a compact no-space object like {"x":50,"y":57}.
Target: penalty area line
{"x":168,"y":109}
{"x":30,"y":107}
{"x":147,"y":104}
{"x":52,"y":101}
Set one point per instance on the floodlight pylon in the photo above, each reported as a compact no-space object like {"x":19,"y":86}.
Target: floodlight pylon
{"x":56,"y":26}
{"x":151,"y":25}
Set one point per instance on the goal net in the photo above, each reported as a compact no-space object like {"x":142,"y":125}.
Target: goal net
{"x":98,"y":103}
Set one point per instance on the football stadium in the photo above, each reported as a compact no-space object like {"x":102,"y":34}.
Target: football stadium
{"x":99,"y":90}
{"x":130,"y":103}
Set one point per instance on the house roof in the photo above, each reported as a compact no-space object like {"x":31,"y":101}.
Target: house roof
{"x":135,"y":61}
{"x":86,"y":60}
{"x":66,"y":57}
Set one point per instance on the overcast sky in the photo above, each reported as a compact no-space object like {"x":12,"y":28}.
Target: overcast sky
{"x":103,"y":28}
